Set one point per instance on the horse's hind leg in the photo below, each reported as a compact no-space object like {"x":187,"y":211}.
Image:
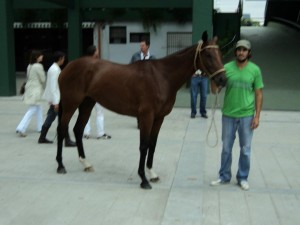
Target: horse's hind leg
{"x":62,"y":131}
{"x":85,"y":109}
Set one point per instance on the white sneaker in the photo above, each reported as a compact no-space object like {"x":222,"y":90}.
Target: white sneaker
{"x":244,"y":185}
{"x":218,"y":182}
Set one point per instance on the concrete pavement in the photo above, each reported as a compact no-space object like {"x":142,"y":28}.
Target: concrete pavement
{"x":31,"y":193}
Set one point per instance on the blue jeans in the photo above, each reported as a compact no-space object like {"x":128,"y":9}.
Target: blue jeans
{"x":198,"y":83}
{"x":229,"y":128}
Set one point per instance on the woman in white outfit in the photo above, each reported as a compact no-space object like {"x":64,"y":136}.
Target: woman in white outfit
{"x":33,"y":93}
{"x":94,"y":52}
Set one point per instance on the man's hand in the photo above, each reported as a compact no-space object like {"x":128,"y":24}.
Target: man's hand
{"x":56,"y":108}
{"x":255,"y":123}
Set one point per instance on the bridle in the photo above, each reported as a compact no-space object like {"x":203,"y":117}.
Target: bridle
{"x":199,"y":49}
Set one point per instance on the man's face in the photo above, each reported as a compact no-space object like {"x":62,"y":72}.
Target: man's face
{"x":61,"y":61}
{"x":144,"y":47}
{"x":242,"y":54}
{"x":96,"y":54}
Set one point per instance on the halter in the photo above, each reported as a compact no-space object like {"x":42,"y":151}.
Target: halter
{"x":198,"y":51}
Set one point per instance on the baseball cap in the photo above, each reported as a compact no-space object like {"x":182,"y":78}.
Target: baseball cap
{"x":243,"y":43}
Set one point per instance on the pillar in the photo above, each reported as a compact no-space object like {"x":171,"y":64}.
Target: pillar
{"x":202,"y":18}
{"x":7,"y":52}
{"x":74,"y":31}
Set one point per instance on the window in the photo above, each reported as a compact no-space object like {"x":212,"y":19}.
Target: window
{"x":117,"y":35}
{"x":177,"y":41}
{"x":137,"y":37}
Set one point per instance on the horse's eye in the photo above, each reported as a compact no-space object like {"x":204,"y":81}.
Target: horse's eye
{"x":207,"y":55}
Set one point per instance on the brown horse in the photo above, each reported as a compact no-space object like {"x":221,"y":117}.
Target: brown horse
{"x":144,"y":89}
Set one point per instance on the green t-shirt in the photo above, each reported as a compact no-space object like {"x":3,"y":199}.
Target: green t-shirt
{"x":239,"y":100}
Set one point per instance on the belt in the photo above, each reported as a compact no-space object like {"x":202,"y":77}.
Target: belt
{"x":199,"y":75}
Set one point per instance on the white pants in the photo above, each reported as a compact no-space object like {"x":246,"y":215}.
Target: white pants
{"x":99,"y":122}
{"x":32,"y":109}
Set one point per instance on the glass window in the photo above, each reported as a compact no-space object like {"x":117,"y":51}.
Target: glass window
{"x":117,"y":35}
{"x":137,"y":37}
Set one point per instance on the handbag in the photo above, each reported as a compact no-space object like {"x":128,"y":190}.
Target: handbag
{"x":22,"y":89}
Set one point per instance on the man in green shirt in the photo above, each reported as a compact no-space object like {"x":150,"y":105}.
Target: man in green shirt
{"x":241,"y":112}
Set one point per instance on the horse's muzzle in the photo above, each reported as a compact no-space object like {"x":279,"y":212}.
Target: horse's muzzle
{"x":220,"y":80}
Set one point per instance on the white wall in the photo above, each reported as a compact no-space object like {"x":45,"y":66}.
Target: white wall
{"x":121,"y":53}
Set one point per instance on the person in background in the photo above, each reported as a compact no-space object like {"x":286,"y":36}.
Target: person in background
{"x":142,"y":54}
{"x":52,"y":95}
{"x":33,"y":93}
{"x":241,"y":113}
{"x":199,"y":81}
{"x":93,"y":52}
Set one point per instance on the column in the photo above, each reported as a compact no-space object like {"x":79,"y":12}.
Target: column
{"x":202,"y":18}
{"x":7,"y":53}
{"x":74,"y":31}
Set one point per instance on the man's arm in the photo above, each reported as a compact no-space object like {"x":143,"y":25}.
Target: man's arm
{"x":258,"y":106}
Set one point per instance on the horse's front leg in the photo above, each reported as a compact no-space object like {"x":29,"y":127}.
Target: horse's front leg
{"x":152,"y":145}
{"x":153,"y":176}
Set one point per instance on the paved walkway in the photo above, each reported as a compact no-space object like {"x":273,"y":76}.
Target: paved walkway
{"x":31,"y":193}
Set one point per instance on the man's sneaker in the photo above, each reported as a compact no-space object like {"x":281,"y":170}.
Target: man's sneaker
{"x":244,"y":185}
{"x":21,"y":134}
{"x":104,"y":136}
{"x":218,"y":182}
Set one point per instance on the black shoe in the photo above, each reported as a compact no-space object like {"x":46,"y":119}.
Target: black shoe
{"x":193,"y":116}
{"x":69,"y":143}
{"x":42,"y":138}
{"x":44,"y":141}
{"x":204,"y":116}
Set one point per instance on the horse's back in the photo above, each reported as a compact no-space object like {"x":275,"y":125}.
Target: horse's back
{"x":120,"y":88}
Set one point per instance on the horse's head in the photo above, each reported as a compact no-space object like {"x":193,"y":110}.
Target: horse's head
{"x":208,"y":59}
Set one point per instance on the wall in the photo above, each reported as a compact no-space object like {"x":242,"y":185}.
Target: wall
{"x":121,"y":53}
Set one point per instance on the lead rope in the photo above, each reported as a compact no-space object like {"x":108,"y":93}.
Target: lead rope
{"x":213,"y":122}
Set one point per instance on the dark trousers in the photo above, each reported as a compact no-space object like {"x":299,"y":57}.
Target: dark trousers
{"x":51,"y":115}
{"x":199,"y":83}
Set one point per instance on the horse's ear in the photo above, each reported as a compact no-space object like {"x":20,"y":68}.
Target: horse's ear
{"x":204,"y":36}
{"x":216,"y":39}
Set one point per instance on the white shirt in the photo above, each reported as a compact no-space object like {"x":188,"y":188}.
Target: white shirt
{"x":52,"y":93}
{"x":146,"y":57}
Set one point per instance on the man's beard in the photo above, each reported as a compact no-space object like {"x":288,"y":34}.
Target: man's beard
{"x":242,"y":60}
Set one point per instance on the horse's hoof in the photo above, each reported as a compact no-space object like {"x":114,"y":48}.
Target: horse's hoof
{"x":146,"y":185}
{"x":61,"y":170}
{"x":89,"y":169}
{"x":154,"y":179}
